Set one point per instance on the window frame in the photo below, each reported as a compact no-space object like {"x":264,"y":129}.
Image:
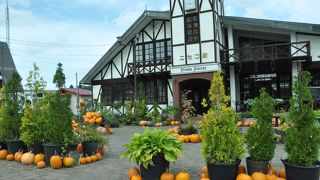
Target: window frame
{"x":195,"y":37}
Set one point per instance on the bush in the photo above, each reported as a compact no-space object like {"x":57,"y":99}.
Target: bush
{"x":303,"y":137}
{"x":259,"y":138}
{"x":222,"y":140}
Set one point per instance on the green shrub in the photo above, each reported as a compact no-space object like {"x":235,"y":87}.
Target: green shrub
{"x":303,"y":137}
{"x":259,"y":138}
{"x":222,"y":140}
{"x":143,"y":147}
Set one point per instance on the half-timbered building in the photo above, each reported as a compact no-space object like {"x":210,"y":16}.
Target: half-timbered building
{"x":178,"y":50}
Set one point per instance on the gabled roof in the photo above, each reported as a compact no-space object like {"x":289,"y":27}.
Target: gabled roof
{"x":7,"y":65}
{"x":135,"y":28}
{"x":273,"y":24}
{"x":82,"y":92}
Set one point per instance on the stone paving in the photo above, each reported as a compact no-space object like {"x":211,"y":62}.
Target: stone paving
{"x":110,"y":168}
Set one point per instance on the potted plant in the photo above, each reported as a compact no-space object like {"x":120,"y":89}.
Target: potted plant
{"x":32,"y":130}
{"x":57,"y":124}
{"x":259,"y":138}
{"x":152,"y":151}
{"x":222,"y":142}
{"x":10,"y":113}
{"x":188,"y":128}
{"x":169,"y":112}
{"x":303,"y":137}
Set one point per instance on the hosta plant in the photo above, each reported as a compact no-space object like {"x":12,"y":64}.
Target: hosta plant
{"x":143,"y":147}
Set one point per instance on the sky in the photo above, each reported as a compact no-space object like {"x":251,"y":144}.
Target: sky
{"x":77,"y":33}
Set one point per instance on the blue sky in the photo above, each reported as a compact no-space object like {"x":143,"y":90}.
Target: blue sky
{"x":78,"y":32}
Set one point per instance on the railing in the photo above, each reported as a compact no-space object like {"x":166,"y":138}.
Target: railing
{"x":291,"y":51}
{"x":148,"y":67}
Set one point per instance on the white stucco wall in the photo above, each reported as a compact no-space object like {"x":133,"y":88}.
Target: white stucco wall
{"x":314,"y":44}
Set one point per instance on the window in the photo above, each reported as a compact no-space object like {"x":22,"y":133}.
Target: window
{"x":139,"y":53}
{"x":128,"y":91}
{"x":284,"y":86}
{"x":192,"y":29}
{"x":169,"y":54}
{"x":162,"y":91}
{"x":116,"y":92}
{"x":148,"y":49}
{"x":107,"y":94}
{"x":160,"y":51}
{"x":150,"y":92}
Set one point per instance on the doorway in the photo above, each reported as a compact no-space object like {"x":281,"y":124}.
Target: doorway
{"x":198,"y":90}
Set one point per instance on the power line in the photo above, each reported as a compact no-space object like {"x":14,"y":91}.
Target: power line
{"x":54,"y":54}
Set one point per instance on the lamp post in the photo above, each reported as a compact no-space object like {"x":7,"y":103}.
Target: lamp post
{"x":133,"y":45}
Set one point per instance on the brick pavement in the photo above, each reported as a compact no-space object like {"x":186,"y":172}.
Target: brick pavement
{"x":110,"y":168}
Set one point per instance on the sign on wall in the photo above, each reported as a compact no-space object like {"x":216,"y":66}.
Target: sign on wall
{"x":190,"y":69}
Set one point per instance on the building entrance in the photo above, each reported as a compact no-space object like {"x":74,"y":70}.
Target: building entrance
{"x":198,"y":89}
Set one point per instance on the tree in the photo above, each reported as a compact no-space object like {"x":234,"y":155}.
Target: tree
{"x":10,"y":116}
{"x":35,"y":82}
{"x":71,"y":86}
{"x":59,"y":78}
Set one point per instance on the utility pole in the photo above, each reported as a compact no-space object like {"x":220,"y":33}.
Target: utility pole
{"x":7,"y":23}
{"x":77,"y":86}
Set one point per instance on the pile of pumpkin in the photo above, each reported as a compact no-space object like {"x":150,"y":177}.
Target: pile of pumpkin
{"x":92,"y":118}
{"x":29,"y":158}
{"x":272,"y":174}
{"x":175,"y":123}
{"x":245,"y":123}
{"x":75,"y":125}
{"x":144,"y":123}
{"x":134,"y":174}
{"x":193,"y":138}
{"x":90,"y":159}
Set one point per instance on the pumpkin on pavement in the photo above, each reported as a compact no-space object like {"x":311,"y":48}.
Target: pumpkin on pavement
{"x":243,"y":176}
{"x":10,"y":157}
{"x":134,"y":171}
{"x":41,"y":164}
{"x":194,"y":138}
{"x":183,"y":176}
{"x":282,"y":173}
{"x":68,"y":161}
{"x":99,"y":156}
{"x":27,"y":158}
{"x":3,"y":154}
{"x":38,"y":158}
{"x":258,"y":176}
{"x":82,"y":160}
{"x":137,"y":177}
{"x":18,"y":156}
{"x":55,"y":162}
{"x":167,"y":176}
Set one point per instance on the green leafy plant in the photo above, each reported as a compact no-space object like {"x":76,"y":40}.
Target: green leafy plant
{"x":188,"y":110}
{"x":10,"y":111}
{"x":143,"y":147}
{"x":189,"y":128}
{"x":35,"y":83}
{"x":221,"y":138}
{"x":259,"y":138}
{"x":59,"y":78}
{"x":58,"y":118}
{"x":303,"y":137}
{"x":171,"y":110}
{"x":140,"y":105}
{"x":154,"y":115}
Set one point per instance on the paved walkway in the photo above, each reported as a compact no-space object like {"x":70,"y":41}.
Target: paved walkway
{"x":110,"y":168}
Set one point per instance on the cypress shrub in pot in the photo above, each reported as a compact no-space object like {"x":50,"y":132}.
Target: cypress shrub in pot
{"x":222,"y":142}
{"x":10,"y":114}
{"x":152,"y":151}
{"x":58,"y":124}
{"x":303,"y":137}
{"x":259,"y":138}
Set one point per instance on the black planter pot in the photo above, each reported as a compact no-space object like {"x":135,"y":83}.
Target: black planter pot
{"x":154,"y":172}
{"x":299,"y":172}
{"x":3,"y":145}
{"x":52,"y":149}
{"x":223,"y":171}
{"x":15,"y":146}
{"x":90,"y":148}
{"x":36,"y":148}
{"x":256,"y":166}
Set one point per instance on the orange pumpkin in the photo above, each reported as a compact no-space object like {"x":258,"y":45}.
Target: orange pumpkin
{"x":170,"y":130}
{"x":79,"y":148}
{"x":194,"y":138}
{"x":180,"y":138}
{"x":92,"y":121}
{"x":282,"y":173}
{"x":94,"y":158}
{"x":68,"y":161}
{"x":143,"y":123}
{"x":110,"y":131}
{"x":204,"y":169}
{"x":41,"y":164}
{"x":88,"y":159}
{"x":82,"y":160}
{"x":99,"y":156}
{"x":186,"y":139}
{"x":183,"y":176}
{"x":204,"y":175}
{"x":239,"y":123}
{"x":102,"y":150}
{"x":55,"y":162}
{"x":27,"y":158}
{"x":82,"y":102}
{"x":167,"y":176}
{"x":205,"y":178}
{"x":98,"y":120}
{"x":177,"y":123}
{"x":3,"y":154}
{"x":134,"y":171}
{"x":172,"y":123}
{"x":271,"y":177}
{"x":18,"y":155}
{"x":279,"y":178}
{"x":10,"y":157}
{"x":38,"y":158}
{"x":258,"y":176}
{"x":137,"y":177}
{"x":272,"y":170}
{"x":243,"y":176}
{"x":242,"y":169}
